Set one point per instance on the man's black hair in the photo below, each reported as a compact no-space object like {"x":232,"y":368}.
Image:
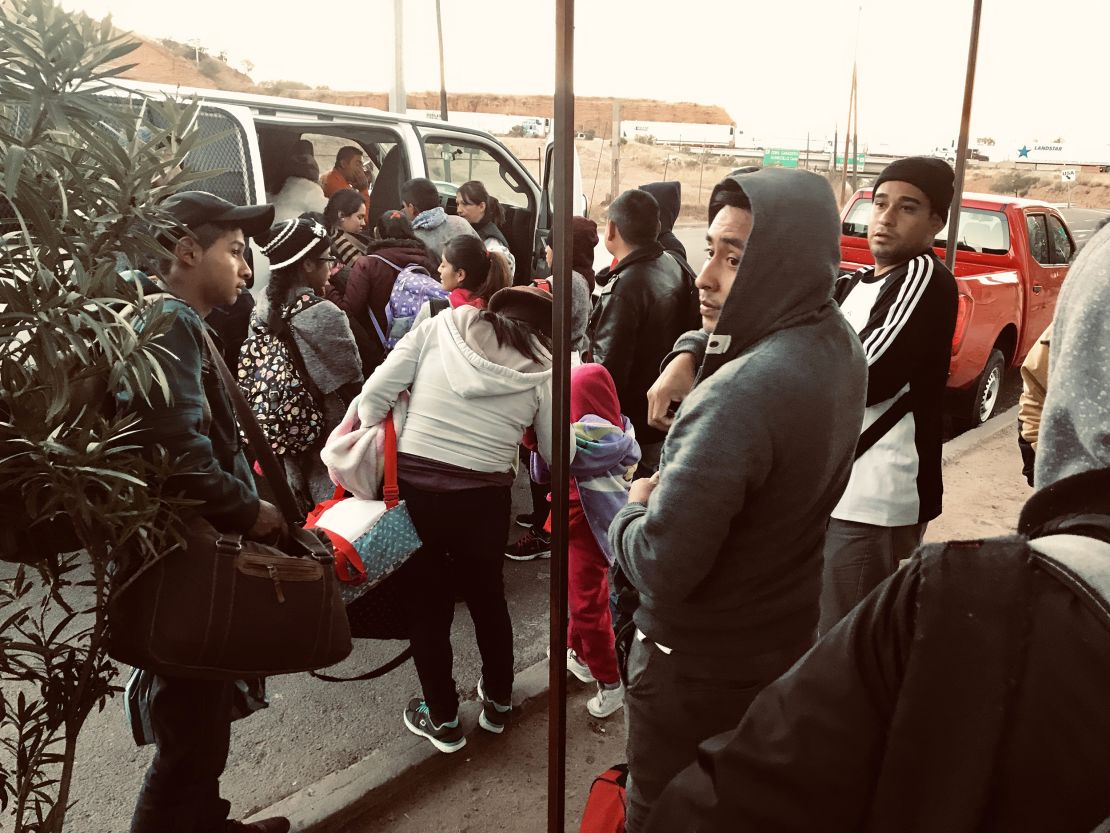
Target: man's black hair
{"x":205,"y":235}
{"x":421,"y":193}
{"x":636,"y":216}
{"x":728,"y":194}
{"x":347,"y":152}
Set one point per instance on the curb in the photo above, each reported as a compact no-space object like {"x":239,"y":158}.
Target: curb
{"x":957,"y":447}
{"x":341,"y":797}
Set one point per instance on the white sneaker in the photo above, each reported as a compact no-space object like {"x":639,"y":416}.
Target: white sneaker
{"x":578,"y":668}
{"x":606,"y":701}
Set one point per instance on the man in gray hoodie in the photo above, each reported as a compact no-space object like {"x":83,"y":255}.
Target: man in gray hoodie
{"x":967,"y":692}
{"x":725,"y":551}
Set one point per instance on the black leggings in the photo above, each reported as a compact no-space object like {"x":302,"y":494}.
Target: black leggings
{"x":470,"y":525}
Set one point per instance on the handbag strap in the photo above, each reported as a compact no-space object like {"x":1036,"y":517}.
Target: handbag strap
{"x":380,"y":671}
{"x":390,"y":493}
{"x":283,"y":496}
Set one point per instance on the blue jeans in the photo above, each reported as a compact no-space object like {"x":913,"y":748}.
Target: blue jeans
{"x":191,"y":721}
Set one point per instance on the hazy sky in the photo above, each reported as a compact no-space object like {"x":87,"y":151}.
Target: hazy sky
{"x":781,"y":69}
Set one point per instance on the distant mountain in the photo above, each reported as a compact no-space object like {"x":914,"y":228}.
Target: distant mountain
{"x":169,"y":62}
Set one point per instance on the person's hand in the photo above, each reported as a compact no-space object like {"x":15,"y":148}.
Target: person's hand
{"x":642,"y":489}
{"x":269,"y":526}
{"x":673,"y":385}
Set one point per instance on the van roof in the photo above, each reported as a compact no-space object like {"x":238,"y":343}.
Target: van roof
{"x":281,"y":106}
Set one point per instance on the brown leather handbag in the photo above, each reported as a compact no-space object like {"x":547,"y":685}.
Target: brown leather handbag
{"x":221,"y":607}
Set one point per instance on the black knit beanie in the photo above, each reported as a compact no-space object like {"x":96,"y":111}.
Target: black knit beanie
{"x":933,"y":176}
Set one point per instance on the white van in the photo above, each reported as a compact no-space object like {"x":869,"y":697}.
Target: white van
{"x":256,"y":135}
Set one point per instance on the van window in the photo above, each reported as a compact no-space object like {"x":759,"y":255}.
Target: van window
{"x":1038,"y":237}
{"x":1062,"y":248}
{"x":451,"y":163}
{"x":383,"y":155}
{"x":226,"y":155}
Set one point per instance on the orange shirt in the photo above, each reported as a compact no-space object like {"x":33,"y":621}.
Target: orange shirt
{"x":334,"y":181}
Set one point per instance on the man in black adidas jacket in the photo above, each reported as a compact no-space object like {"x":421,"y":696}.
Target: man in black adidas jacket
{"x":647,"y":301}
{"x":904,"y":309}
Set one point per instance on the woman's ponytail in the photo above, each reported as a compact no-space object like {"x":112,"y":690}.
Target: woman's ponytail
{"x":486,"y":271}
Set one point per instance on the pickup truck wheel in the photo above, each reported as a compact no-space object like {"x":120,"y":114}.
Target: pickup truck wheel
{"x":987,"y":389}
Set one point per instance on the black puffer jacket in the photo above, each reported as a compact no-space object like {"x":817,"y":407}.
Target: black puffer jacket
{"x":647,"y":301}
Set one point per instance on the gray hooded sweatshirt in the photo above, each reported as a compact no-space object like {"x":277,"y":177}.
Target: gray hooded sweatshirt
{"x":726,"y":555}
{"x":1075,"y":426}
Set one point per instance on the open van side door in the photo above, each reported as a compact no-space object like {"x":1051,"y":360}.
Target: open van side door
{"x":581,"y":204}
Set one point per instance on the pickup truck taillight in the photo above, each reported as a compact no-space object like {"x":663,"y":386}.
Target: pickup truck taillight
{"x":963,"y":317}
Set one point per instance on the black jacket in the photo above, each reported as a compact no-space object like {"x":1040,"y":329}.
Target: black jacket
{"x":966,"y":694}
{"x":647,"y":301}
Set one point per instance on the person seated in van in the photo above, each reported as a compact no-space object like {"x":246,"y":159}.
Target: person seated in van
{"x":364,"y":290}
{"x":348,"y":173}
{"x":301,"y":190}
{"x":430,"y":223}
{"x":345,"y":218}
{"x":470,"y":273}
{"x":319,"y":352}
{"x":482,"y":210}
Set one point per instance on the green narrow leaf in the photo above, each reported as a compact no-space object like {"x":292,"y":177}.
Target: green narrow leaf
{"x":13,"y":166}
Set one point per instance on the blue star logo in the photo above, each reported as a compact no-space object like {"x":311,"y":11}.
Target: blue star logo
{"x":1023,"y":151}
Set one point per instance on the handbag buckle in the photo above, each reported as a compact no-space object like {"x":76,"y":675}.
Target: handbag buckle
{"x":229,"y":545}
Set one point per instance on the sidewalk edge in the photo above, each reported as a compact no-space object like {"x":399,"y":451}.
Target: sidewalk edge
{"x":340,"y":797}
{"x":958,"y":446}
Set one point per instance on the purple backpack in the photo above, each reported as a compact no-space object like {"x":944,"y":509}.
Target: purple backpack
{"x":411,"y":289}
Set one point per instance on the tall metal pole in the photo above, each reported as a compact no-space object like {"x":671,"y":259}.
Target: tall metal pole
{"x":442,"y":75}
{"x":563,"y":247}
{"x":398,"y":100}
{"x":965,"y":130}
{"x":615,"y":151}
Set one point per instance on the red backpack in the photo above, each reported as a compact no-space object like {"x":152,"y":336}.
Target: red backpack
{"x":604,"y":811}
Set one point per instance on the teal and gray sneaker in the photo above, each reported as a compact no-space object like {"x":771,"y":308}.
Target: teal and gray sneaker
{"x":447,"y":737}
{"x":494,"y":717}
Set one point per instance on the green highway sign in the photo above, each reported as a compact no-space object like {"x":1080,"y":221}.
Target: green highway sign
{"x":861,"y":160}
{"x":780,"y":158}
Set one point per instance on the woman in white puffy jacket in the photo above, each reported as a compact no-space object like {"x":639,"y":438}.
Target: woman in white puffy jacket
{"x":478,"y":379}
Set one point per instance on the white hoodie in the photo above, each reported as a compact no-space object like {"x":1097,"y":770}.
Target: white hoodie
{"x":471,"y":399}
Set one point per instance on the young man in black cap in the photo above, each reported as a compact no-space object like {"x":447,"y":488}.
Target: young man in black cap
{"x":904,"y":309}
{"x":190,"y":719}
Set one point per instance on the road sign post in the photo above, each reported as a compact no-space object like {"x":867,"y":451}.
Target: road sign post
{"x":1068,"y":176}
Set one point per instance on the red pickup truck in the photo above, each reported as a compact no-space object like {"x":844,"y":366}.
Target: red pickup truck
{"x":1012,"y":257}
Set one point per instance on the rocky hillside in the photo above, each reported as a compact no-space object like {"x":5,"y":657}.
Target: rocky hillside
{"x":169,"y":62}
{"x":590,"y":112}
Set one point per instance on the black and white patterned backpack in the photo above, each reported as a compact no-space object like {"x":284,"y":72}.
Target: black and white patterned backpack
{"x":272,"y":376}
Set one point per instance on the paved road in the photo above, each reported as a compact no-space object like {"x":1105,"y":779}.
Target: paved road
{"x":1083,"y":221}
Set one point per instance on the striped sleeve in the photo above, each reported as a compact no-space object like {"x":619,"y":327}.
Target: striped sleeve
{"x":910,"y":327}
{"x":894,"y":309}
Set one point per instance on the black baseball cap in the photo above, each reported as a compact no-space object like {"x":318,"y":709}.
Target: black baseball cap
{"x":195,"y":208}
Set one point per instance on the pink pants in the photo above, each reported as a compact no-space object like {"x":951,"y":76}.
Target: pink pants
{"x":590,"y":629}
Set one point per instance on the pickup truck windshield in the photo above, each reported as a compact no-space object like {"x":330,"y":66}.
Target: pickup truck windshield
{"x":980,"y":230}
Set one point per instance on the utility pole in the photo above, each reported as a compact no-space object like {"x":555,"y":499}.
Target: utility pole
{"x":442,"y":76}
{"x":615,"y":142}
{"x":398,"y":100}
{"x":965,"y":130}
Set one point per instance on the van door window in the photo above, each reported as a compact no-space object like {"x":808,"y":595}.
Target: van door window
{"x":453,"y":161}
{"x":1062,"y":247}
{"x":1038,"y":237}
